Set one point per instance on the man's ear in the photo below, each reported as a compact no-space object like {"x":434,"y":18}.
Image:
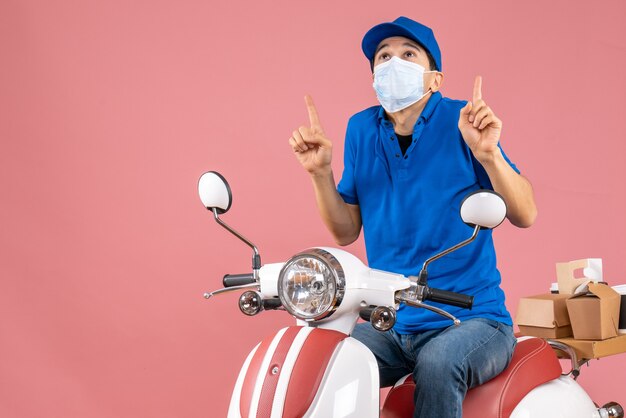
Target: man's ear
{"x":437,"y":81}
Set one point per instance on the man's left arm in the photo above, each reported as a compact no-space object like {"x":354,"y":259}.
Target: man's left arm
{"x":515,"y":188}
{"x":481,"y":130}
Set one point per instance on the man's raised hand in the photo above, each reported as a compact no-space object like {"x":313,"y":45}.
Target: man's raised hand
{"x":479,"y":125}
{"x":310,"y":145}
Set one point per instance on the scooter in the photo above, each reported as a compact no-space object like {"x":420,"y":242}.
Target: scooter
{"x":315,"y":369}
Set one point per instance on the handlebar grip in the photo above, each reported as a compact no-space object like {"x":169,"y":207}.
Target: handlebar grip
{"x":231,"y":280}
{"x":449,"y":298}
{"x":273,"y":303}
{"x":366,"y":313}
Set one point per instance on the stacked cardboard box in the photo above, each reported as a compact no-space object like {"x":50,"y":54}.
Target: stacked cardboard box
{"x":544,"y":316}
{"x":590,"y":316}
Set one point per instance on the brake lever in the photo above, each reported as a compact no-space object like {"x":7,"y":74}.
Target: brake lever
{"x":208,"y":295}
{"x":413,"y":297}
{"x":418,"y":304}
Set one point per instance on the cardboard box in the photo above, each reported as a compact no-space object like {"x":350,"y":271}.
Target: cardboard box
{"x":594,"y":315}
{"x":586,"y":349}
{"x":544,"y":316}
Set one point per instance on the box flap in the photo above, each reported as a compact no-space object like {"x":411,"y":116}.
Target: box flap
{"x":599,"y":290}
{"x":583,"y":295}
{"x":565,"y":274}
{"x":595,"y":315}
{"x":603,"y":291}
{"x":610,"y":300}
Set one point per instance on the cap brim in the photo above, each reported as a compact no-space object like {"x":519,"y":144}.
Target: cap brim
{"x":374,"y":36}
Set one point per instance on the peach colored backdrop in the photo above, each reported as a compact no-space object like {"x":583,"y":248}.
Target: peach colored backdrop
{"x":110,"y":110}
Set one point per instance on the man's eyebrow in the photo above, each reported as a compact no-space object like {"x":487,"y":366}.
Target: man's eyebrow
{"x":412,"y":45}
{"x":409,"y":44}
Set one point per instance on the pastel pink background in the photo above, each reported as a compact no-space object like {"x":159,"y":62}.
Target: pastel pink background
{"x":110,"y":110}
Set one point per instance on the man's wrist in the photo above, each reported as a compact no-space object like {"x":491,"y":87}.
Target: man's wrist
{"x":321,"y":173}
{"x":490,"y":159}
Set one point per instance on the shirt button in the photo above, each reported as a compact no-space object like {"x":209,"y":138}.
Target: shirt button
{"x":392,"y":138}
{"x":397,"y":155}
{"x":406,"y":156}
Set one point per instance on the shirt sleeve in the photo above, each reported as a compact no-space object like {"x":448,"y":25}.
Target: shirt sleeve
{"x":481,"y":174}
{"x":347,"y":184}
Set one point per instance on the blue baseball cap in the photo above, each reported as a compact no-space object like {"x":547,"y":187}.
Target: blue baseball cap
{"x":402,"y":26}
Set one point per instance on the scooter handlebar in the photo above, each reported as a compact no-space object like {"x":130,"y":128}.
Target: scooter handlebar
{"x":449,"y":298}
{"x":231,"y":280}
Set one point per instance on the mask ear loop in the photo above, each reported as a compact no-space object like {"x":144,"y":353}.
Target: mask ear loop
{"x":430,"y":88}
{"x":425,"y":94}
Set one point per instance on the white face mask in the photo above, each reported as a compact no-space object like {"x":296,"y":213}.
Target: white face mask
{"x":399,"y":84}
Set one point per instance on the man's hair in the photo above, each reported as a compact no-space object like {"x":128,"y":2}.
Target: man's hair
{"x":431,"y":60}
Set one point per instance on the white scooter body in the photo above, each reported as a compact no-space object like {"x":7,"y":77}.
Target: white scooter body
{"x":559,"y":398}
{"x":350,"y":383}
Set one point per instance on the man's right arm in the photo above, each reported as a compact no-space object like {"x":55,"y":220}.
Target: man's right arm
{"x":342,"y":219}
{"x":314,"y":152}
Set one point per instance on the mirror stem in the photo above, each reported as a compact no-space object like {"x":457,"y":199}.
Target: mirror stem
{"x":256,"y":258}
{"x":423,"y":276}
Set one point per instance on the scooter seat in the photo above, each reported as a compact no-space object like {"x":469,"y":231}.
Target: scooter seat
{"x":533,"y":363}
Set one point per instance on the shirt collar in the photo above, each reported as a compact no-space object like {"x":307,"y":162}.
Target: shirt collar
{"x":432,"y":103}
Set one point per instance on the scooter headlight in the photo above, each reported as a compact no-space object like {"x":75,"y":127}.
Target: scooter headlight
{"x":311,"y":285}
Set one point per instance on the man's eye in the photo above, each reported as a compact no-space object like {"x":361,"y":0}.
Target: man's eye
{"x":409,"y":54}
{"x":384,"y":56}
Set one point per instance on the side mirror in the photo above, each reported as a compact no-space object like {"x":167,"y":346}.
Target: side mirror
{"x":216,"y":196}
{"x":483,"y":208}
{"x":215,"y":192}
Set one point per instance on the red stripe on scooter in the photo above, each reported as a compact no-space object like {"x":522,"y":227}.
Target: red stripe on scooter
{"x":271,"y":378}
{"x":309,"y":370}
{"x":247,"y":389}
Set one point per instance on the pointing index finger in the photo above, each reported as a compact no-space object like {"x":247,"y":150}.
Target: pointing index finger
{"x":313,"y":116}
{"x":478,"y":86}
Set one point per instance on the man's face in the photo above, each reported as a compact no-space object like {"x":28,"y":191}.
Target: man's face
{"x":408,"y":50}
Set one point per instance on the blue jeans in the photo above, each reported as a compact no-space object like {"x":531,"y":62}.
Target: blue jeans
{"x":445,"y":362}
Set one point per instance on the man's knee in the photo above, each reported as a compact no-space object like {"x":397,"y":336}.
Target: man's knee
{"x":436,"y":365}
